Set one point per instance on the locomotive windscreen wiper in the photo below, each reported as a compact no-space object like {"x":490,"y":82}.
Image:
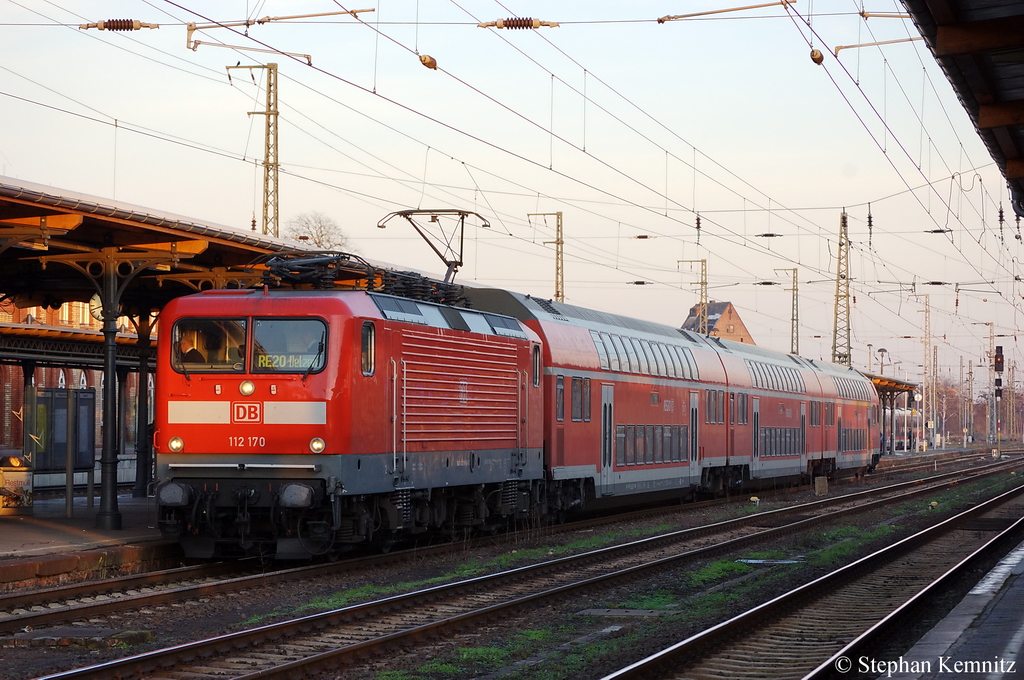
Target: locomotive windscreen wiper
{"x":319,"y":351}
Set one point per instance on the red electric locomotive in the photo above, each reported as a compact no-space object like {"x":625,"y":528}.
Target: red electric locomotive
{"x":296,"y":422}
{"x":299,"y":422}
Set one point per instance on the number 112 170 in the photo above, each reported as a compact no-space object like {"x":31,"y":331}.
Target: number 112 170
{"x":251,"y":442}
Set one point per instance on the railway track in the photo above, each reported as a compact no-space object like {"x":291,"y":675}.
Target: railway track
{"x":888,"y":466}
{"x":294,"y":648}
{"x":814,"y":630}
{"x":38,"y":608}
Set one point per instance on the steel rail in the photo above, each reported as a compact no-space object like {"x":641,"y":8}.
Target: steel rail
{"x":42,"y":596}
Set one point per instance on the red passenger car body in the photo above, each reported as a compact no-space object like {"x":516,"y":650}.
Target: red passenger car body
{"x":635,"y":407}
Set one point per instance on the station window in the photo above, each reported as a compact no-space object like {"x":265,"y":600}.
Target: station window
{"x":368,"y":354}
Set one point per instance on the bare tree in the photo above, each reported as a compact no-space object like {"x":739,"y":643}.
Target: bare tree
{"x":316,"y":229}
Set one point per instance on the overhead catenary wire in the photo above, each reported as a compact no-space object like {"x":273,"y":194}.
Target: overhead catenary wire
{"x":485,"y":190}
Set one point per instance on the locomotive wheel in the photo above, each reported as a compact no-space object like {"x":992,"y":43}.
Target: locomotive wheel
{"x":385,"y":543}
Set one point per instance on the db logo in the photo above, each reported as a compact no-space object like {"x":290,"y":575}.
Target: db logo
{"x":246,"y":413}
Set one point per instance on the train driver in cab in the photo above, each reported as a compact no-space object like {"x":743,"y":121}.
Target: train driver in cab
{"x":188,"y":352}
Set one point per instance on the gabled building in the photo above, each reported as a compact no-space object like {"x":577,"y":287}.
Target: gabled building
{"x":723,"y":322}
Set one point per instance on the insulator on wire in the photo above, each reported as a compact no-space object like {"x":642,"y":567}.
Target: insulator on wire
{"x":870,"y":226}
{"x":119,"y":25}
{"x":521,"y":23}
{"x":518,"y":23}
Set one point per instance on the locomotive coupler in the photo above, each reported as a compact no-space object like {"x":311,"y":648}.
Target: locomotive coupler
{"x":244,"y":497}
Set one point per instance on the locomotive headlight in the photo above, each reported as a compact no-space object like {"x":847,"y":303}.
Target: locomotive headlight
{"x":317,"y":445}
{"x":247,"y":387}
{"x":175,"y":444}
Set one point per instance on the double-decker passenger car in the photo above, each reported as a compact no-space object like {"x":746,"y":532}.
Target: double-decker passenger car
{"x":299,"y":422}
{"x":639,"y":407}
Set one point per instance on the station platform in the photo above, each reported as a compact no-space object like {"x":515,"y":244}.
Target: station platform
{"x":49,"y":547}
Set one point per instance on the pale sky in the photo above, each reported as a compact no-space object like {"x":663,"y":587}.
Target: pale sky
{"x":627,"y":126}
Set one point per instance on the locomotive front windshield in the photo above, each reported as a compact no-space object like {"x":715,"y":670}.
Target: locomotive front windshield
{"x":209,"y":345}
{"x":288,"y":345}
{"x":224,"y":345}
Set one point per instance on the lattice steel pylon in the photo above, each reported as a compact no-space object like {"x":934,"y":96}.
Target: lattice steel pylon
{"x":271,"y":206}
{"x":559,"y":243}
{"x":1011,"y":403}
{"x":794,"y":323}
{"x":927,"y":367}
{"x":702,"y":309}
{"x":841,"y":327}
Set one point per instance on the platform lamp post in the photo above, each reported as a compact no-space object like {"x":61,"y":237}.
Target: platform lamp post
{"x":881,"y":360}
{"x":108,"y":516}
